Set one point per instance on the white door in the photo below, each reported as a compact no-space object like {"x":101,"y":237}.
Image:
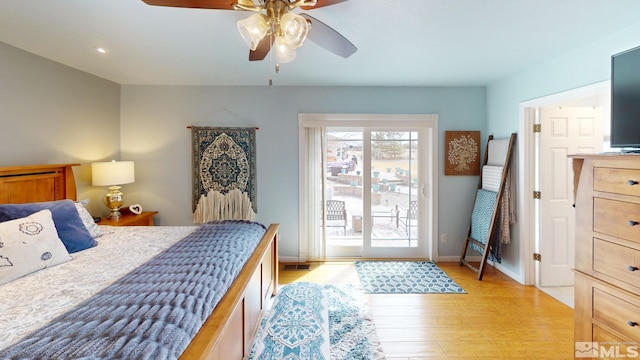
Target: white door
{"x":565,"y":131}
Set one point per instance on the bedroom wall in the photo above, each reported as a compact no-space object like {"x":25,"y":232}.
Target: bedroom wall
{"x":576,"y":68}
{"x":154,"y":134}
{"x":51,"y":113}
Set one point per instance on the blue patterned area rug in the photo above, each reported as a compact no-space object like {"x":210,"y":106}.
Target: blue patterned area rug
{"x":314,"y":321}
{"x":405,"y":277}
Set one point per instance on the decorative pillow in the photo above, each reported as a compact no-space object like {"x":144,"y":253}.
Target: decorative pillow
{"x":71,"y":230}
{"x":29,"y":244}
{"x":87,"y":220}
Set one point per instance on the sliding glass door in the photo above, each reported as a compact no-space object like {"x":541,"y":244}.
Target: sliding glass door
{"x":376,"y":190}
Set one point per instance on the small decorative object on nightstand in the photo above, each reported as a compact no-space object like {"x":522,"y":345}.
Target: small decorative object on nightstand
{"x":130,"y":219}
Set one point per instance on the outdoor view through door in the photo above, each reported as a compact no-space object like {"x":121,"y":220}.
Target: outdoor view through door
{"x":392,"y":177}
{"x":369,"y":189}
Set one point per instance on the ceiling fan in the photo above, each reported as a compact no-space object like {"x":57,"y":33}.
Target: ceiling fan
{"x":275,"y":22}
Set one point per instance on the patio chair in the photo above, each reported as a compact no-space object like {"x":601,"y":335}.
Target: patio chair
{"x":336,"y":212}
{"x":408,"y":216}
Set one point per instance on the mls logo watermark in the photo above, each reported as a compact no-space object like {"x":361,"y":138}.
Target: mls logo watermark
{"x":613,"y":350}
{"x":586,"y":349}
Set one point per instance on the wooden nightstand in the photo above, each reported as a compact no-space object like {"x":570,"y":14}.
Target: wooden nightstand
{"x":130,"y":219}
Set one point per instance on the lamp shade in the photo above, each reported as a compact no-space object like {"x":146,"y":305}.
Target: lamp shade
{"x":253,"y":29}
{"x":294,"y":29}
{"x":111,"y":173}
{"x":284,"y":53}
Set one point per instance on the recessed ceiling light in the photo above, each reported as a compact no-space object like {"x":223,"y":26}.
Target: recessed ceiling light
{"x":101,"y":50}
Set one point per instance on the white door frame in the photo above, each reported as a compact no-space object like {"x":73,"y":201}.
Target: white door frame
{"x":430,"y":121}
{"x":526,"y":158}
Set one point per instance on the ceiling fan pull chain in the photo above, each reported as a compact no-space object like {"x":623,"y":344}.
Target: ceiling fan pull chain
{"x":271,"y":55}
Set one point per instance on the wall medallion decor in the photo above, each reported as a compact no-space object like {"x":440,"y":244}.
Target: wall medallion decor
{"x":224,"y":159}
{"x":462,"y":152}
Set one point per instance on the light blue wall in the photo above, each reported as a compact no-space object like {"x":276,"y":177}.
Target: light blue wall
{"x":154,"y":134}
{"x":576,"y":68}
{"x":51,"y":113}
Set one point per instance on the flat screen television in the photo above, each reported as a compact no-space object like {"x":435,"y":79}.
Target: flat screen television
{"x":625,"y":100}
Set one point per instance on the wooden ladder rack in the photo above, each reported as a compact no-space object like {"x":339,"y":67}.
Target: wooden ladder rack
{"x":486,"y":244}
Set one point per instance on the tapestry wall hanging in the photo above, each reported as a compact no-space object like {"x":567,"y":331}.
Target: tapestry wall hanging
{"x":462,"y":152}
{"x":224,"y":164}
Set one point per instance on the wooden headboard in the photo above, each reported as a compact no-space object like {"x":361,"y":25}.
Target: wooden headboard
{"x":33,"y":183}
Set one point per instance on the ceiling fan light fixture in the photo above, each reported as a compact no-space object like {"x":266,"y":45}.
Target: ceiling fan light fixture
{"x":294,"y":29}
{"x":284,"y":52}
{"x":253,"y":29}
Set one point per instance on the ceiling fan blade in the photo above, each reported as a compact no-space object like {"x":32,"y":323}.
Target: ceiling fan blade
{"x":197,"y":4}
{"x":263,"y":48}
{"x":322,"y":3}
{"x":325,"y":36}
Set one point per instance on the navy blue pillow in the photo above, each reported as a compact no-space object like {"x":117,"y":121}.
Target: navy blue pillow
{"x":71,"y":230}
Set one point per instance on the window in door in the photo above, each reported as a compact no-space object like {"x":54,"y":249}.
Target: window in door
{"x":368,"y":190}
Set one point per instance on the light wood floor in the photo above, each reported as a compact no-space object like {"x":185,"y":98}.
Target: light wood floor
{"x":497,"y":318}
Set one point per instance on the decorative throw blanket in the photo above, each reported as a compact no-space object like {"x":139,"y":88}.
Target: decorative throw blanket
{"x":154,"y":311}
{"x":481,"y":223}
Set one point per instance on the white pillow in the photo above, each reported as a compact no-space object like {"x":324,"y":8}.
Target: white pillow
{"x":87,"y":220}
{"x":29,"y":244}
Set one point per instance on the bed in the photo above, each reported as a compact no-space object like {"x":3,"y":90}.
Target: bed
{"x":226,"y":333}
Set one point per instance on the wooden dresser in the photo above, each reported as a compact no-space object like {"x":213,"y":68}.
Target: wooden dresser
{"x":607,"y":282}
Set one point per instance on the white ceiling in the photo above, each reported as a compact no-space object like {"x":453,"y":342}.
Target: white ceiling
{"x":400,"y":42}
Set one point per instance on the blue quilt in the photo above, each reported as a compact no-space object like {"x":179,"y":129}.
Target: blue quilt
{"x":481,"y":216}
{"x":481,"y":221}
{"x":154,"y":311}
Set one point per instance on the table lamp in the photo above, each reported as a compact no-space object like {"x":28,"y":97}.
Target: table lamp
{"x":113,"y":174}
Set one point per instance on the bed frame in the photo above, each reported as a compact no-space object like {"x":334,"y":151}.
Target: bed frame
{"x":229,"y":332}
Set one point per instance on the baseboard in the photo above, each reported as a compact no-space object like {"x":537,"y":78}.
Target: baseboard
{"x":290,"y":259}
{"x":457,"y":258}
{"x":517,"y":277}
{"x":443,"y":259}
{"x":478,"y":258}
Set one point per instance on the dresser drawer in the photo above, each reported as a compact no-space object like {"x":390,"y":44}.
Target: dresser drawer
{"x":619,"y":181}
{"x":617,"y":261}
{"x":621,"y":347}
{"x":617,"y":218}
{"x":617,"y":314}
{"x":602,"y":335}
